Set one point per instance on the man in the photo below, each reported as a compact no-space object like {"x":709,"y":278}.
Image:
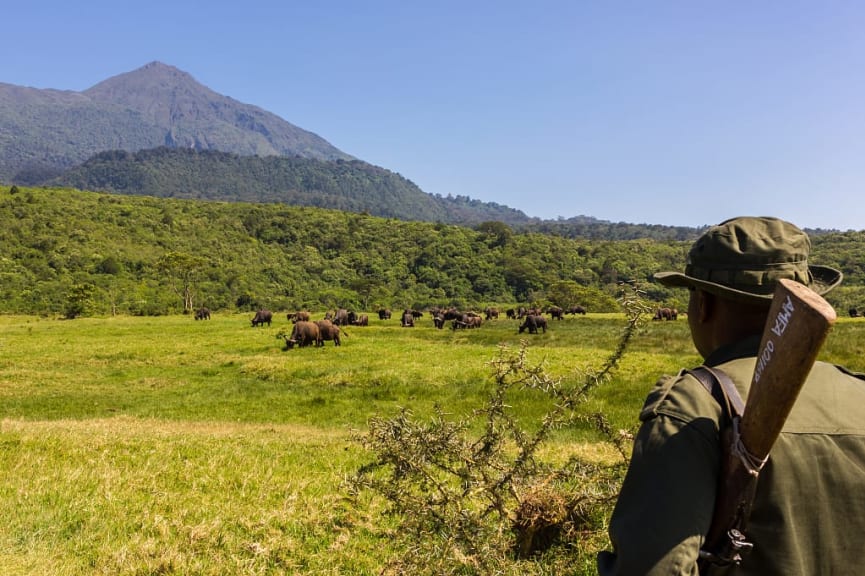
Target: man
{"x":808,"y":516}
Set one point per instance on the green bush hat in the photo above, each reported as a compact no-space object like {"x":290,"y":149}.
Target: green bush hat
{"x":743,"y":259}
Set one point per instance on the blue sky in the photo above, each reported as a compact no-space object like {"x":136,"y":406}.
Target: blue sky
{"x":668,"y":112}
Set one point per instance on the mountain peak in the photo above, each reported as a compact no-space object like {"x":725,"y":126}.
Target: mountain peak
{"x":153,"y":83}
{"x":194,"y":116}
{"x":151,"y":106}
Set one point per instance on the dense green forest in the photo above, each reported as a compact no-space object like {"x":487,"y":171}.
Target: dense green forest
{"x":73,"y":253}
{"x":347,"y":185}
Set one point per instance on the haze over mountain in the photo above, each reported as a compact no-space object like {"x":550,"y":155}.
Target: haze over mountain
{"x":45,"y":131}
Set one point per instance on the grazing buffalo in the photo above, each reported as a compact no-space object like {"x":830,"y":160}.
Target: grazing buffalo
{"x":511,"y":313}
{"x":407,"y":320}
{"x":451,"y":313}
{"x":491,"y":313}
{"x":556,"y":313}
{"x":262,"y":317}
{"x":327,"y":330}
{"x":439,"y":320}
{"x":467,"y":321}
{"x":384,"y":314}
{"x":303,"y":333}
{"x":358,"y":319}
{"x":577,"y":310}
{"x":340,"y":318}
{"x":666,"y":314}
{"x":202,"y":313}
{"x":298,"y":316}
{"x":533,"y":322}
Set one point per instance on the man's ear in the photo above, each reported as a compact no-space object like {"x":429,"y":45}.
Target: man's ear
{"x":706,"y":305}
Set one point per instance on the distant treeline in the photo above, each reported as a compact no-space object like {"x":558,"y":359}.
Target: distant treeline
{"x":83,"y":253}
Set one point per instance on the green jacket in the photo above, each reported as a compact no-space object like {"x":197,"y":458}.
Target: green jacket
{"x":809,"y":511}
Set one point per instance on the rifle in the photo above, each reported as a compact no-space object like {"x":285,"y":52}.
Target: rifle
{"x":799,"y":321}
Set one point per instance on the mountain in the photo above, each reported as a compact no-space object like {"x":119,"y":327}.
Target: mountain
{"x":44,"y":132}
{"x":157,"y":131}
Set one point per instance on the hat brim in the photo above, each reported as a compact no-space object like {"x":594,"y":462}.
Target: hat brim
{"x":823,"y":279}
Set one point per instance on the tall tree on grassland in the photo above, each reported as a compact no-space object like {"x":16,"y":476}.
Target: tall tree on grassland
{"x":182,"y":271}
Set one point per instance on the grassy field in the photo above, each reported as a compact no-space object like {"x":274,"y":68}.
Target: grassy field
{"x":169,"y":446}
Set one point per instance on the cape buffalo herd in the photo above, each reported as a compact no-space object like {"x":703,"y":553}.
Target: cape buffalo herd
{"x":666,"y":314}
{"x":305,"y":331}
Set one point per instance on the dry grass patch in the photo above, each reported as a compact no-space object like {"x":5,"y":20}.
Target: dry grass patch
{"x":132,"y":496}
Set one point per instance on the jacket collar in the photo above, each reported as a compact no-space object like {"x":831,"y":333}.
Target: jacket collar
{"x":741,"y":349}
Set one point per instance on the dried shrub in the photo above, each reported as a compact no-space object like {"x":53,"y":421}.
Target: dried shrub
{"x":473,"y":495}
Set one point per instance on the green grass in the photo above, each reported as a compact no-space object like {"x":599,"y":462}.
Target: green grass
{"x":169,"y":446}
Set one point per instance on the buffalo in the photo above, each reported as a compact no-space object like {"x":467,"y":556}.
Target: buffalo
{"x":303,"y":333}
{"x":577,"y":309}
{"x":262,"y":317}
{"x":439,"y":321}
{"x":355,"y":319}
{"x":451,"y":314}
{"x":522,"y":311}
{"x":854,"y":313}
{"x":340,"y":318}
{"x":202,"y":313}
{"x":327,"y":330}
{"x":666,"y":314}
{"x":300,"y":315}
{"x":407,"y":320}
{"x":467,"y":321}
{"x":532,"y":323}
{"x":556,"y":312}
{"x":491,"y":313}
{"x":384,"y":314}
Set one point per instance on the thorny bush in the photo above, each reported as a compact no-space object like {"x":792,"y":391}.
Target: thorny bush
{"x":473,"y":495}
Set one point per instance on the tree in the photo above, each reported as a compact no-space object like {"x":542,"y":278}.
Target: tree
{"x":499,"y":233}
{"x":182,"y":271}
{"x":109,"y":265}
{"x":79,"y":300}
{"x":565,"y":294}
{"x":522,"y":276}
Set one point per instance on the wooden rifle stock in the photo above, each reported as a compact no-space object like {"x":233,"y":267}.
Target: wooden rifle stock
{"x":799,"y":321}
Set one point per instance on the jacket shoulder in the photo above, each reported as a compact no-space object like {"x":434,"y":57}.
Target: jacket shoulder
{"x":847,"y":371}
{"x":682,"y":397}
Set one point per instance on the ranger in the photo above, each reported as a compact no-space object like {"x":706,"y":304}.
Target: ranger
{"x":808,"y":512}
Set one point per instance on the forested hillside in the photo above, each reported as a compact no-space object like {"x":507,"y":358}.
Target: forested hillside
{"x":75,"y":253}
{"x":347,"y":185}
